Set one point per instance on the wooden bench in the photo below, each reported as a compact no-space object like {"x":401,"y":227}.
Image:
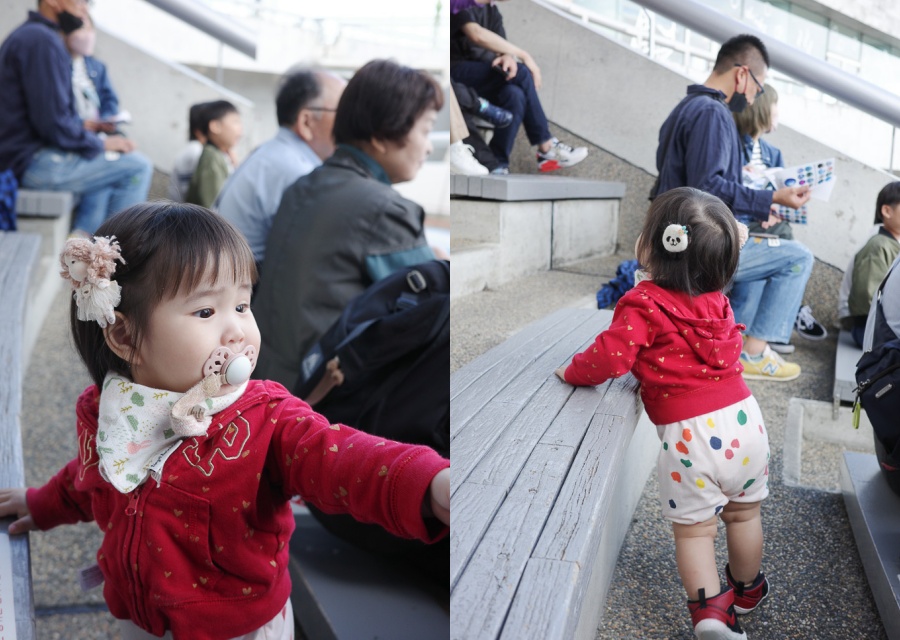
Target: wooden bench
{"x":874,"y":512}
{"x":341,"y":592}
{"x":18,"y":259}
{"x":545,"y":481}
{"x":48,"y":214}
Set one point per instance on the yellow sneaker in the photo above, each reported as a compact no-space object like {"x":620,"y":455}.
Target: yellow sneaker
{"x":771,"y":367}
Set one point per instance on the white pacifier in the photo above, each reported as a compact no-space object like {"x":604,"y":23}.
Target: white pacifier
{"x":223,"y":367}
{"x":232,"y":368}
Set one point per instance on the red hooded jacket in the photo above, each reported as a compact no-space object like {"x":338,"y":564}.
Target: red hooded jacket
{"x":684,"y":351}
{"x":205,"y":553}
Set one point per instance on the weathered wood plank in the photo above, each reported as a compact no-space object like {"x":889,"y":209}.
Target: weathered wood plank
{"x":482,"y":431}
{"x":465,"y":376}
{"x":18,"y":257}
{"x":484,"y":592}
{"x":543,"y":613}
{"x":512,"y":362}
{"x":474,"y":506}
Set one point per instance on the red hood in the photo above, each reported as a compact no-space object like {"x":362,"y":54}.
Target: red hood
{"x":707,"y":316}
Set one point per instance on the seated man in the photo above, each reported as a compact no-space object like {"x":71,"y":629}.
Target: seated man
{"x":482,"y":58}
{"x":42,"y":139}
{"x":699,"y":147}
{"x":305,"y":106}
{"x":343,"y":227}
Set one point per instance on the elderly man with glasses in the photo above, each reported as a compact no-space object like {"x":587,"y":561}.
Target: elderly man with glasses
{"x":305,"y":105}
{"x":699,"y":147}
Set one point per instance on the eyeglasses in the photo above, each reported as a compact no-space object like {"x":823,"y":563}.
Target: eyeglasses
{"x":759,"y":88}
{"x":320,"y":109}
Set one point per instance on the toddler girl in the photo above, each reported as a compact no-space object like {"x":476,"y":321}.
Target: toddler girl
{"x":676,"y":333}
{"x":185,"y":464}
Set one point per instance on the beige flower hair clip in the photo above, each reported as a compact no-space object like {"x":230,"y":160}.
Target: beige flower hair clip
{"x":89,"y":265}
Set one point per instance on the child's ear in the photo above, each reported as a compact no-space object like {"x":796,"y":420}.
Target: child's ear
{"x":119,"y":338}
{"x":887,"y":211}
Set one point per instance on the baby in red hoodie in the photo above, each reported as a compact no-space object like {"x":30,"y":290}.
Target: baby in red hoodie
{"x":186,"y":464}
{"x":676,"y":333}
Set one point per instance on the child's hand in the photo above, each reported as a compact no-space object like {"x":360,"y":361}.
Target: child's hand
{"x":12,"y":502}
{"x":440,"y":496}
{"x":561,"y":373}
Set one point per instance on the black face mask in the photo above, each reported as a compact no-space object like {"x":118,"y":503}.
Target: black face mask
{"x":738,"y":102}
{"x":68,"y":22}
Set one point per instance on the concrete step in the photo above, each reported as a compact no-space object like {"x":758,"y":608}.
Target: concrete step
{"x":471,"y":267}
{"x":536,"y":223}
{"x":874,"y":512}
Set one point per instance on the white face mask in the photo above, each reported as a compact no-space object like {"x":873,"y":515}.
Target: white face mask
{"x":81,"y":42}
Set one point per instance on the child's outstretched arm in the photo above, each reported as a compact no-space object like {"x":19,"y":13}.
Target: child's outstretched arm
{"x":13,"y":503}
{"x":440,"y":496}
{"x":614,"y":351}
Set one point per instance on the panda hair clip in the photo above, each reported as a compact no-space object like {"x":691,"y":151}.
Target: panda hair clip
{"x":675,"y":238}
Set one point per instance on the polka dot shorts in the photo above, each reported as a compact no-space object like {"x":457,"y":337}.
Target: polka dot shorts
{"x":708,"y":461}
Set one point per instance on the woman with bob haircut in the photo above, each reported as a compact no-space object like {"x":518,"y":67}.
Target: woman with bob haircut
{"x":343,"y":227}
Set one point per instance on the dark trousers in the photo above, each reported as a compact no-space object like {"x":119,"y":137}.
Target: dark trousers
{"x":517,"y":96}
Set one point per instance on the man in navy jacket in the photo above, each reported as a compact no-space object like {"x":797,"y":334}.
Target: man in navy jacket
{"x":43,"y":140}
{"x":699,"y":147}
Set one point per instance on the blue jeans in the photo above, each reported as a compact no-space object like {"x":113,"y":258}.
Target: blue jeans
{"x":103,"y":186}
{"x":518,"y":96}
{"x":768,"y":287}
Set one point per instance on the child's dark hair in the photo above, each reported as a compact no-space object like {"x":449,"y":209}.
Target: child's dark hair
{"x":215,"y":110}
{"x":890,"y":196}
{"x":713,"y":249}
{"x":167,"y":247}
{"x":197,"y":120}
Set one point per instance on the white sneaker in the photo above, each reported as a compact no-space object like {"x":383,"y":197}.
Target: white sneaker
{"x":463,"y":162}
{"x":559,"y":156}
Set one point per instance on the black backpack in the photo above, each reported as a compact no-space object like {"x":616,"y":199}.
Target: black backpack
{"x":392,"y":343}
{"x":878,"y":391}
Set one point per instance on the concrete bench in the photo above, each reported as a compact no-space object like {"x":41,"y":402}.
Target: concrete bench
{"x":545,"y":481}
{"x":18,"y":259}
{"x":341,"y":592}
{"x":874,"y":512}
{"x":506,"y":227}
{"x":845,"y":358}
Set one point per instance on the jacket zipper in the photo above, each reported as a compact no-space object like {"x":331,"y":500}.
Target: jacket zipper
{"x":130,"y":552}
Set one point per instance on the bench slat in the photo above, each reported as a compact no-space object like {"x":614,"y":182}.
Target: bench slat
{"x":474,"y":506}
{"x":484,"y":592}
{"x":486,"y":427}
{"x":18,"y":257}
{"x":544,"y":614}
{"x":511,"y":363}
{"x":463,"y":378}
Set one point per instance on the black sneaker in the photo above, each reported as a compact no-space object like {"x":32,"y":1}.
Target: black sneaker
{"x":497,"y":116}
{"x":809,"y":327}
{"x":783,"y":348}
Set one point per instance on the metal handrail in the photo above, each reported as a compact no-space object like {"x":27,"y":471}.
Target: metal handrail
{"x":214,"y":24}
{"x":791,"y":61}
